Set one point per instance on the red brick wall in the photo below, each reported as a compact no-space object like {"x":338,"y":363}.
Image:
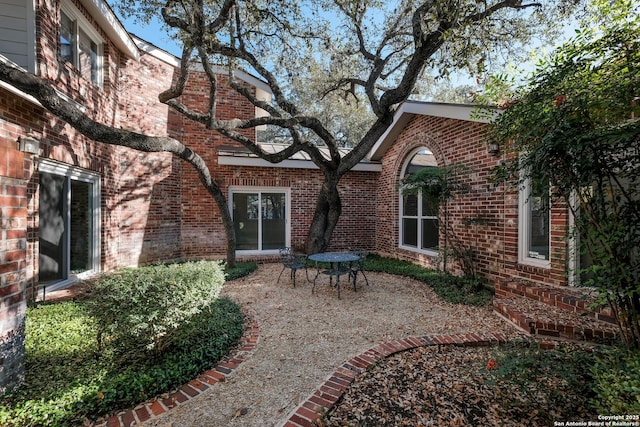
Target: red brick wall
{"x":140,"y":194}
{"x":357,"y":191}
{"x":202,"y":230}
{"x":64,"y":75}
{"x":149,"y":197}
{"x":16,"y":227}
{"x":495,"y":241}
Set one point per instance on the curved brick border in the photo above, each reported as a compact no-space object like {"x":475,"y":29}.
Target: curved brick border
{"x":161,"y":404}
{"x":327,"y":395}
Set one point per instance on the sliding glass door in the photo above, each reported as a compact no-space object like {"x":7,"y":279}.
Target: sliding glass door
{"x":260,"y":218}
{"x":68,"y":223}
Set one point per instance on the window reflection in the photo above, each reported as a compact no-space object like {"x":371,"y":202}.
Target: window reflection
{"x":420,"y":227}
{"x":260,"y":220}
{"x":79,"y":49}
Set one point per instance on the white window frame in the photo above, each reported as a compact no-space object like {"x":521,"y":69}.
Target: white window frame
{"x":78,"y":174}
{"x":524,"y":227}
{"x":419,"y":217}
{"x":574,"y":242}
{"x":257,"y":189}
{"x":81,"y":23}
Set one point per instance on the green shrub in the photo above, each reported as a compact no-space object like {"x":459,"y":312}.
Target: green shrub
{"x":141,"y":309}
{"x":616,"y":377}
{"x":453,"y":289}
{"x":202,"y":341}
{"x":525,"y":374}
{"x":461,"y":290}
{"x":69,"y":380}
{"x":240,"y":270}
{"x":59,"y":355}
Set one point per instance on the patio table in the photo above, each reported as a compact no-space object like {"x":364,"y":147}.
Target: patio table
{"x":336,"y":268}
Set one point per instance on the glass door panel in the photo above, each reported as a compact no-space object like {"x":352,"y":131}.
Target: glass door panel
{"x":81,"y":227}
{"x":68,"y":230}
{"x":260,"y":220}
{"x":53,"y":227}
{"x":274,"y":220}
{"x":245,"y":220}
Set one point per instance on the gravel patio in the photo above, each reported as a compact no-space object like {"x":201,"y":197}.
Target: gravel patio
{"x":303,"y":338}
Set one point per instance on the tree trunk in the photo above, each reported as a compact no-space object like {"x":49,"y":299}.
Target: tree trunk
{"x":229,"y":230}
{"x":325,"y":218}
{"x":227,"y":221}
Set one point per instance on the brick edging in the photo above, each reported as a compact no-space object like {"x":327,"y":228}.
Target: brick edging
{"x":161,"y":404}
{"x":308,"y":413}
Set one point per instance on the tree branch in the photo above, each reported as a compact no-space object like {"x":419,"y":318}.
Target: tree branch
{"x":50,"y":99}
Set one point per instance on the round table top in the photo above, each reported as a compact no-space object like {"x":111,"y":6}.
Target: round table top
{"x":334,"y":257}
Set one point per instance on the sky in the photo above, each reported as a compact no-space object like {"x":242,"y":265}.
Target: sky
{"x":153,"y":33}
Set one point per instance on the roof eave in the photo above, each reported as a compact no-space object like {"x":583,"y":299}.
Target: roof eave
{"x":231,"y":159}
{"x":173,"y":60}
{"x":240,"y":156}
{"x":104,"y":16}
{"x":410,"y":109}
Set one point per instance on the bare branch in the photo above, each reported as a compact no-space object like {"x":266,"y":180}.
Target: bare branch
{"x":222,"y":18}
{"x":213,"y":87}
{"x":177,"y":86}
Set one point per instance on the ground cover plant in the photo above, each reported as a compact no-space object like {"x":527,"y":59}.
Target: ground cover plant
{"x":616,"y":382}
{"x":241,"y":269}
{"x":515,"y":384}
{"x":78,"y":370}
{"x":453,"y":289}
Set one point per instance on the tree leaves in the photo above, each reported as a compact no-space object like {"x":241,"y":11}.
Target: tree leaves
{"x":575,"y":124}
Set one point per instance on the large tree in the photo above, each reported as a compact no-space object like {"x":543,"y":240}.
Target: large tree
{"x":370,"y":51}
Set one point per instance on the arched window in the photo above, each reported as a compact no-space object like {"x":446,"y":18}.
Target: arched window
{"x":419,"y":230}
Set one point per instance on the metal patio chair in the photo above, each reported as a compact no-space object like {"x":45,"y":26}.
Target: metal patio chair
{"x":293,"y":262}
{"x":358,"y":266}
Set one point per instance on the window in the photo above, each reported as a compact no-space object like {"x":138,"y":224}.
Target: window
{"x":260,"y":218}
{"x":80,"y":45}
{"x":581,"y":256}
{"x":419,"y":229}
{"x":69,"y":223}
{"x":534,"y":224}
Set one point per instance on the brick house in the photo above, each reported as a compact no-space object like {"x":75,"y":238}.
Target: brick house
{"x":71,"y":207}
{"x":509,"y":232}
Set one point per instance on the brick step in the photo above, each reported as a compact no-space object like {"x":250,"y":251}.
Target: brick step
{"x":574,"y":300}
{"x":543,"y":320}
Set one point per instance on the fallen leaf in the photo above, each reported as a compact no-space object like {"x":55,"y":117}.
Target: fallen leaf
{"x":242,"y":411}
{"x":491,"y":364}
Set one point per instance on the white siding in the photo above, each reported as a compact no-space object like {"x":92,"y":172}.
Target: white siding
{"x":17,"y":32}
